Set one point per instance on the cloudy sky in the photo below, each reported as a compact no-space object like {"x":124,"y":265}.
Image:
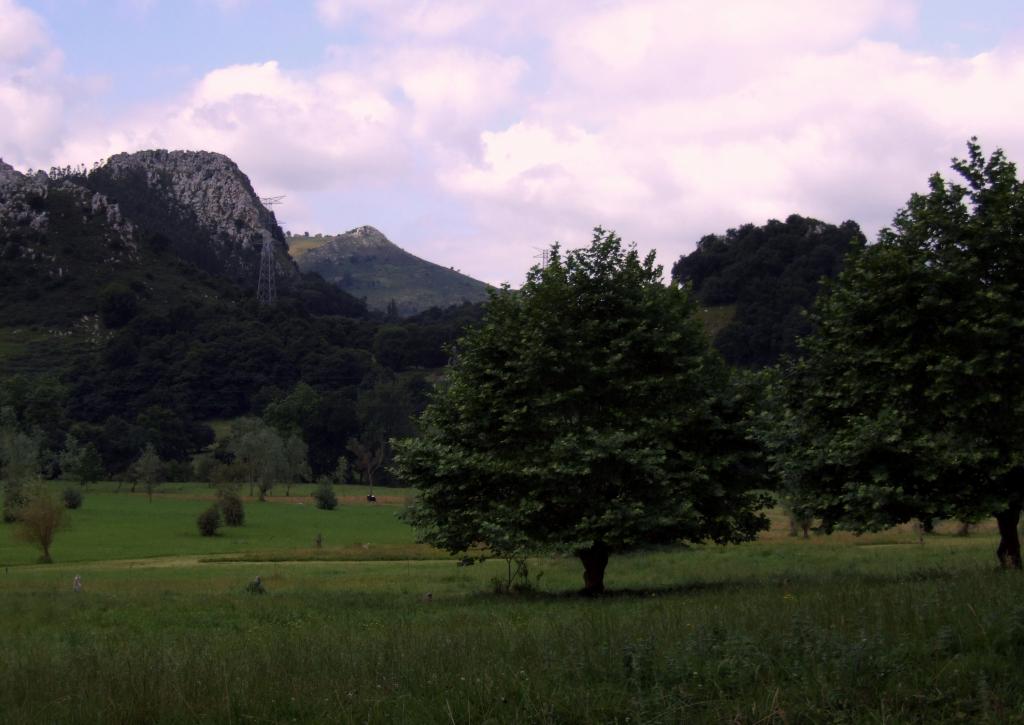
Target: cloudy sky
{"x":472,"y":131}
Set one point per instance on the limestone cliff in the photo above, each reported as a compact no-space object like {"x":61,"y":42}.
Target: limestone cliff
{"x":198,"y":203}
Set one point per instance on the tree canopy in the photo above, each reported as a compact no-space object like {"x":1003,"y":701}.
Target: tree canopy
{"x":769,"y":275}
{"x":586,"y":412}
{"x":909,"y":401}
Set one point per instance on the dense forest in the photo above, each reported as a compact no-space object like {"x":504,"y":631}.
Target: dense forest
{"x":127,"y":335}
{"x":769,"y":275}
{"x":138,"y":301}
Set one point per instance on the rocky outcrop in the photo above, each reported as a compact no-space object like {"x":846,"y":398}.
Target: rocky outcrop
{"x":29,"y":232}
{"x":201,"y":204}
{"x":22,"y":199}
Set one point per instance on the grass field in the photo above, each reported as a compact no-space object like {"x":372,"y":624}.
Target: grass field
{"x":873,"y":629}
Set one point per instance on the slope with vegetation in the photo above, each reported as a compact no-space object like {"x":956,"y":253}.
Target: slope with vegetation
{"x":909,"y":399}
{"x":364,"y":263}
{"x":128,"y":317}
{"x":758,"y":282}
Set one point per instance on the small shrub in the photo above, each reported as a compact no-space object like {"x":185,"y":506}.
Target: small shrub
{"x":325,"y":498}
{"x":72,"y":498}
{"x":40,"y":518}
{"x":209,"y":521}
{"x":230,"y":505}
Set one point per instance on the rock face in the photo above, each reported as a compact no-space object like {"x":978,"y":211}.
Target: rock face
{"x":21,"y":201}
{"x":365,"y":263}
{"x":26,"y":226}
{"x":201,"y":205}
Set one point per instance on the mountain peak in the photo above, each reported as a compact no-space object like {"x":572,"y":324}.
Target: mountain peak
{"x":207,"y":198}
{"x":366,"y":264}
{"x":364,"y":237}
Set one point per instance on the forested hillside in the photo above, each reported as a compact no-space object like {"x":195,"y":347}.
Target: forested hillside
{"x":758,"y":281}
{"x":128,"y":318}
{"x":367,"y":265}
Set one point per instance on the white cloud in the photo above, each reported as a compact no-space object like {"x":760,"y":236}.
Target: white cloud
{"x":286,"y":130}
{"x":31,"y":101}
{"x":672,"y":120}
{"x":425,"y":18}
{"x":534,"y":121}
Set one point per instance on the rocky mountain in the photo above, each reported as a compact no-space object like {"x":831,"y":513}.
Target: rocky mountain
{"x":366,"y":264}
{"x":128,"y":318}
{"x":199,"y":204}
{"x":154,"y":230}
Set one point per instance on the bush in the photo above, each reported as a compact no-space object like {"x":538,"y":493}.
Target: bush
{"x":40,"y":518}
{"x":72,"y":498}
{"x":230,"y":505}
{"x":324,"y":497}
{"x":209,"y":521}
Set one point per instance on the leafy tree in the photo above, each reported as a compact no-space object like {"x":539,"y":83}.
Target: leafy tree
{"x":296,"y":459}
{"x":291,"y":413}
{"x":119,"y":443}
{"x":80,"y":463}
{"x":40,"y":519}
{"x":586,"y":413}
{"x":770,"y":275}
{"x":368,"y":455}
{"x":260,"y":453}
{"x":19,"y":463}
{"x":385,"y":412}
{"x":910,"y":399}
{"x":147,"y":470}
{"x":36,"y":404}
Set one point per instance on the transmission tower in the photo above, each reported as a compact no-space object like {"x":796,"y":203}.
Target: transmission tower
{"x":266,"y":291}
{"x":544,"y":256}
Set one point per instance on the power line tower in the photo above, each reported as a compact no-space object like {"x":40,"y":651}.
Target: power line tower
{"x":544,"y":256}
{"x":266,"y":290}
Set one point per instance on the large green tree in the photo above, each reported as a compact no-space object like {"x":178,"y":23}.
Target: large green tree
{"x":587,"y":413}
{"x":909,"y":401}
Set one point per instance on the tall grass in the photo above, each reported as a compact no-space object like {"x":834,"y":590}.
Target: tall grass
{"x":777,"y":631}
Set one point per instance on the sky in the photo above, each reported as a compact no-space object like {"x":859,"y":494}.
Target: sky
{"x":475,"y":132}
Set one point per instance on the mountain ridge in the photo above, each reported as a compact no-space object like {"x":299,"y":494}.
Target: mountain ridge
{"x":365,"y":263}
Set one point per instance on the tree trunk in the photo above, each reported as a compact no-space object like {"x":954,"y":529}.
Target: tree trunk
{"x":594,"y":559}
{"x":1009,"y":542}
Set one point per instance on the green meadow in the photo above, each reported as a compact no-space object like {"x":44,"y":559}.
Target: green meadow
{"x":373,"y":627}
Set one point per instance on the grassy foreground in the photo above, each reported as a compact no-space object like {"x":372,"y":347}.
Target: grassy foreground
{"x":835,"y":629}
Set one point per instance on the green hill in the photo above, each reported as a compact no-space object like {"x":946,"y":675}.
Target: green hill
{"x":128,"y":317}
{"x":755,"y":284}
{"x":366,"y":264}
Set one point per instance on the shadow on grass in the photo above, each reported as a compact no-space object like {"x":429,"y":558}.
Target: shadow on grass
{"x":716,"y":587}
